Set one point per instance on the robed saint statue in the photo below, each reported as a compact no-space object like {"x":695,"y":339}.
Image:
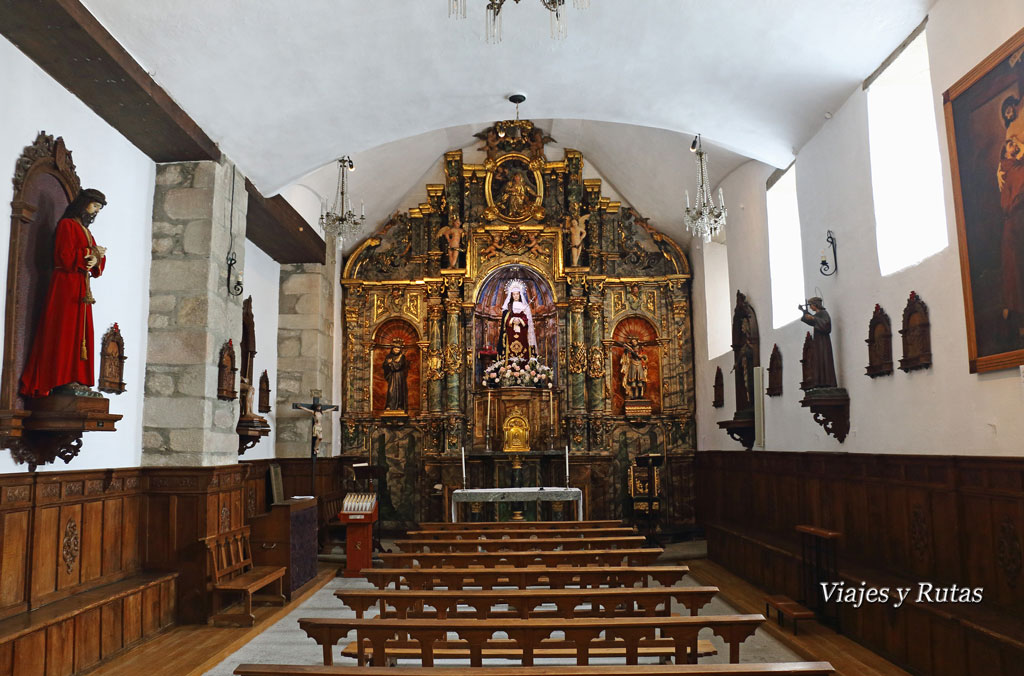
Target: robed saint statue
{"x":823,"y":368}
{"x":516,"y":335}
{"x":62,"y":348}
{"x":395,"y":368}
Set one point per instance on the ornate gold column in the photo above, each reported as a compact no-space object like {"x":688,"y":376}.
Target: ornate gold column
{"x":577,"y":355}
{"x":595,"y":358}
{"x":435,"y":371}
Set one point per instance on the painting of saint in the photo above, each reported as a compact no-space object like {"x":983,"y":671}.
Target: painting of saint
{"x":985,"y":123}
{"x":513,"y":190}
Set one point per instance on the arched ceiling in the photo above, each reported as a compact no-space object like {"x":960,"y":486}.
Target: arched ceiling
{"x":286,"y":87}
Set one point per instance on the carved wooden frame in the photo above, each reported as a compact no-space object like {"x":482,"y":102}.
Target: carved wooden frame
{"x":775,"y":373}
{"x":916,"y":354}
{"x":113,"y":385}
{"x":264,"y":393}
{"x":879,"y":367}
{"x":719,"y":389}
{"x":46,"y":155}
{"x":806,"y":375}
{"x":226,"y":371}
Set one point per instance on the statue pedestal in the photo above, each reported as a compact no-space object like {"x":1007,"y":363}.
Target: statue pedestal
{"x":638,"y":408}
{"x":393,"y":417}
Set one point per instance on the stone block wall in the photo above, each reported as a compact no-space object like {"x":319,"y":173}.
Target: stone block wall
{"x":195,"y":224}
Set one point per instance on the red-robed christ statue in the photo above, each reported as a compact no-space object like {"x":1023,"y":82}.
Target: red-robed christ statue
{"x":62,"y":349}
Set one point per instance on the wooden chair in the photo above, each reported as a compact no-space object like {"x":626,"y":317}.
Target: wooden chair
{"x":774,"y":669}
{"x":532,"y":576}
{"x":231,"y":571}
{"x":331,"y":527}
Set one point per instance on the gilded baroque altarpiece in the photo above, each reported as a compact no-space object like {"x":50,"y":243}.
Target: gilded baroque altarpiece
{"x":439,"y":284}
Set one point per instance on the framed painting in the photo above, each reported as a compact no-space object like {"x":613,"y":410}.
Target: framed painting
{"x":985,"y":125}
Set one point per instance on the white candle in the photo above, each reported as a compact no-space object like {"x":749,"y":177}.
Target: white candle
{"x":487,"y":426}
{"x":567,"y":465}
{"x":371,"y":378}
{"x":463,"y":466}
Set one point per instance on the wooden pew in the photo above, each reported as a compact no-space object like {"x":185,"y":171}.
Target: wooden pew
{"x":774,"y":669}
{"x":521,"y":544}
{"x":529,"y":635}
{"x":232,"y":572}
{"x":592,"y":557}
{"x":524,"y":603}
{"x":497,"y":533}
{"x":531,"y":576}
{"x":518,"y":525}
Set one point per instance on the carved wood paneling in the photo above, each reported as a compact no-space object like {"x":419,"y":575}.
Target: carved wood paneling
{"x":941,"y":519}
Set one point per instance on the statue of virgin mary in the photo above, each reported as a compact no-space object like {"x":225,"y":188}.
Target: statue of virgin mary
{"x":516,"y":336}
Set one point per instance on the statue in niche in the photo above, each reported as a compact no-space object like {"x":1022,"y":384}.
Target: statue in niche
{"x":634,"y":369}
{"x":395,"y":367}
{"x":515,"y":196}
{"x":453,"y":235}
{"x":112,"y":361}
{"x":264,"y":406}
{"x":576,"y":227}
{"x":516,"y":335}
{"x":61,"y":358}
{"x":822,"y":368}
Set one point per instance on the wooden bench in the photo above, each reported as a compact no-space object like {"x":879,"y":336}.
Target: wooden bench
{"x":521,"y":544}
{"x":519,"y":525}
{"x":532,"y":576}
{"x":498,"y":533}
{"x":530,"y":635}
{"x":525,"y":603}
{"x":784,"y":605}
{"x":231,"y":571}
{"x":775,"y":669}
{"x":661,"y":649}
{"x":550,"y":558}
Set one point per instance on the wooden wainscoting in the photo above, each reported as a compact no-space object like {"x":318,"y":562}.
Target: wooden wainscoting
{"x":65,"y":532}
{"x":905,"y":519}
{"x":182,"y":505}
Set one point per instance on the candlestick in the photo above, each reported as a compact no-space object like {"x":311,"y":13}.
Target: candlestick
{"x":551,"y":417}
{"x":464,"y":466}
{"x":488,"y":425}
{"x":371,"y":379}
{"x":567,"y":465}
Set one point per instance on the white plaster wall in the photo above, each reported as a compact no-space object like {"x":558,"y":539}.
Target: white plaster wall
{"x":261,"y":277}
{"x":105,"y":160}
{"x":943,"y":410}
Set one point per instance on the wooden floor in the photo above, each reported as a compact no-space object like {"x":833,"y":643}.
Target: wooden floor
{"x":194,"y":649}
{"x":815,"y":642}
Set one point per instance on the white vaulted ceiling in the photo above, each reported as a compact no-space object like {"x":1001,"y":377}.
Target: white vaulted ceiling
{"x":286,"y":86}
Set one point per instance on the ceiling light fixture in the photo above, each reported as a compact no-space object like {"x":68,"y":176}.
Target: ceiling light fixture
{"x":704,"y":220}
{"x":513,"y":128}
{"x":457,"y":9}
{"x":340,"y":220}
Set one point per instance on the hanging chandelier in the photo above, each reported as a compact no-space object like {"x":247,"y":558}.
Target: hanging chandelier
{"x":340,"y":219}
{"x":704,"y":219}
{"x":457,"y":9}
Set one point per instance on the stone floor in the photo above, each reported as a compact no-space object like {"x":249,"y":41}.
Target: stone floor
{"x":285,"y":643}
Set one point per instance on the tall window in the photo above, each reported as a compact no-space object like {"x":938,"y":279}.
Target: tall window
{"x":717,"y":299}
{"x":906,"y":176}
{"x":785,"y":253}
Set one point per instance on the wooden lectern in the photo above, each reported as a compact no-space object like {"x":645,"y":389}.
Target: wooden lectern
{"x":358,"y":513}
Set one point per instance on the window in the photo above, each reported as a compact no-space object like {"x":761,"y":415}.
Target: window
{"x":718,"y":299}
{"x":785,"y":252}
{"x":906,"y":176}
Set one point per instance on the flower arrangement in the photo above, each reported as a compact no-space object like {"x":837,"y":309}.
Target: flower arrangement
{"x":518,"y":372}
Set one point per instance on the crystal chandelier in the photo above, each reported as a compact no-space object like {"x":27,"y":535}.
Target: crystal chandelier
{"x":340,"y":220}
{"x":457,"y":8}
{"x":704,"y":219}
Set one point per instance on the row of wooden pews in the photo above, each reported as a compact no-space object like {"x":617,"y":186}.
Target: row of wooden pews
{"x":528,"y":591}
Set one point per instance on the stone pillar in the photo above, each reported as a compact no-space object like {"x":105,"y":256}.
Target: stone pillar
{"x":435,"y":349}
{"x":305,"y":349}
{"x":595,"y":358}
{"x":191,"y":314}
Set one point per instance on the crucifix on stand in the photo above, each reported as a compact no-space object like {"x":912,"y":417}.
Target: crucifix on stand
{"x":316,"y":410}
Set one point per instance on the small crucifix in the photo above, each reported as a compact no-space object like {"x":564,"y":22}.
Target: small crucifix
{"x":316,"y":409}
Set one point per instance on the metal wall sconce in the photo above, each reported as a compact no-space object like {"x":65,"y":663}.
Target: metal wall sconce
{"x":826,"y":268}
{"x":236,"y":288}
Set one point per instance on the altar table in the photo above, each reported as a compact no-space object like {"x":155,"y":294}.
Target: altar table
{"x":517,"y":495}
